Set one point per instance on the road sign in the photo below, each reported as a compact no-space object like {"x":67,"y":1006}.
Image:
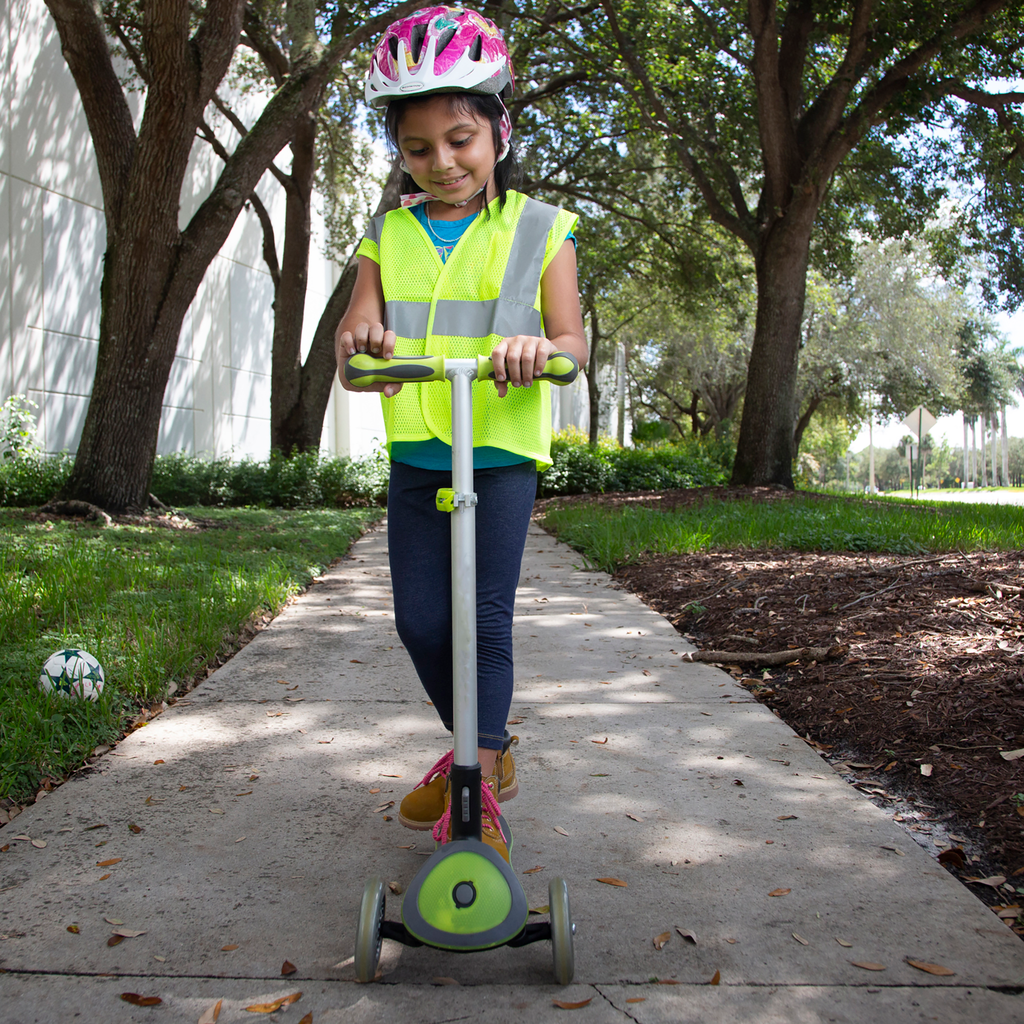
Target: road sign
{"x":919,"y":421}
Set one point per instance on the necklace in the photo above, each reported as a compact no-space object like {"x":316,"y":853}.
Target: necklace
{"x":430,"y":226}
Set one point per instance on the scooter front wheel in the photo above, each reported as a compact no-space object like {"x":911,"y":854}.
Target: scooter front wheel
{"x":368,"y":938}
{"x":561,"y":931}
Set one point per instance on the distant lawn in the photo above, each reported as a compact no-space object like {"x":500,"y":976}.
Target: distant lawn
{"x":154,"y":604}
{"x":608,"y":537}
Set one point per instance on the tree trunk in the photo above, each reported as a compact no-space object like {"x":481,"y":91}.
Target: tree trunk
{"x":303,"y":420}
{"x":286,"y":433}
{"x":764,"y":451}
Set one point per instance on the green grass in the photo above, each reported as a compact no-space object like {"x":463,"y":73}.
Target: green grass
{"x":154,"y":605}
{"x":608,"y":538}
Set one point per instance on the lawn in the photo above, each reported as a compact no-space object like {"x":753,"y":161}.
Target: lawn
{"x":156,"y":600}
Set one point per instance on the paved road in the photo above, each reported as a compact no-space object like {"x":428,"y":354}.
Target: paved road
{"x":235,"y":832}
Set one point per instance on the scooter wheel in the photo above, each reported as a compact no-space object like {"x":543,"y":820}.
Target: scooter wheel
{"x":368,"y":940}
{"x":561,"y":931}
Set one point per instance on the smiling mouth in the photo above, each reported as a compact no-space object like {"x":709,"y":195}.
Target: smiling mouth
{"x":452,"y":181}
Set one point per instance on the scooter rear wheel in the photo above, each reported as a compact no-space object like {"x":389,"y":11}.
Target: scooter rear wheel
{"x":368,"y":939}
{"x":561,"y":931}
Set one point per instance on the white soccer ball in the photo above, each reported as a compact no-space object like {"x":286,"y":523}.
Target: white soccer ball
{"x":72,"y":673}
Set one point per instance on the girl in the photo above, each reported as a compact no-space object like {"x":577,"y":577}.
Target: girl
{"x":467,"y":267}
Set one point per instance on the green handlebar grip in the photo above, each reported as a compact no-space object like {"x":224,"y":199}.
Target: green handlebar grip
{"x":561,"y":368}
{"x":363,"y":369}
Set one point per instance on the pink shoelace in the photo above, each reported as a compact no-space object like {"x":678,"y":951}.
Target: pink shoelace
{"x":443,"y":767}
{"x":489,"y":809}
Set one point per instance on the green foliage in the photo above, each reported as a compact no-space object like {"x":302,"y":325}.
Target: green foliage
{"x":579,"y":469}
{"x":608,"y":538}
{"x":154,"y":605}
{"x":18,"y":428}
{"x":308,"y":480}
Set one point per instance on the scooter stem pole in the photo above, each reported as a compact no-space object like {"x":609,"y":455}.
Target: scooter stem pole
{"x":461,"y":373}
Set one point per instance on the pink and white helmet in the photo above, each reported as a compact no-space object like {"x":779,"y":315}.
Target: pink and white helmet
{"x":439,"y":49}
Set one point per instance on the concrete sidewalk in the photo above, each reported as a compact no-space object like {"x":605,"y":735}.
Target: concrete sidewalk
{"x":236,"y":830}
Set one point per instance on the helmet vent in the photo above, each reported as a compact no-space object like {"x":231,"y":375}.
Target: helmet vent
{"x":476,"y":49}
{"x":419,"y":33}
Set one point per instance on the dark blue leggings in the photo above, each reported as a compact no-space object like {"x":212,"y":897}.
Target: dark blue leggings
{"x":419,"y":548}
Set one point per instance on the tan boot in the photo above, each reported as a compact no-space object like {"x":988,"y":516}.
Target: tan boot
{"x":490,"y":816}
{"x":422,"y":808}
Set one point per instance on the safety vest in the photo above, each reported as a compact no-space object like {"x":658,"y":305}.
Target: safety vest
{"x":487,"y":290}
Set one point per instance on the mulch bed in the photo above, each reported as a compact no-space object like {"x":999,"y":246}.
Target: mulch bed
{"x":922,"y":691}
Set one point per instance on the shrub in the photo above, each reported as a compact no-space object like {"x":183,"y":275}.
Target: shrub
{"x":577,"y":468}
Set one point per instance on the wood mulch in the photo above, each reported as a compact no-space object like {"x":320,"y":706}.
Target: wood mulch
{"x":919,"y":700}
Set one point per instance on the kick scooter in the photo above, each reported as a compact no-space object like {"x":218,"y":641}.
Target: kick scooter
{"x":465,"y":897}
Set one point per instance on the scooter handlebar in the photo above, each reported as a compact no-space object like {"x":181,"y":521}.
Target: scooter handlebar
{"x":362,"y":369}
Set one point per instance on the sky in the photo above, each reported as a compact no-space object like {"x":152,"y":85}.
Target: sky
{"x":952,"y":427}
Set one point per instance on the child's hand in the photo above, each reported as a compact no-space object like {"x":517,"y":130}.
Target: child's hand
{"x":371,"y":338}
{"x":518,"y":360}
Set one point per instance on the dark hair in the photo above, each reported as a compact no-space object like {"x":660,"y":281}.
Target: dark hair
{"x":507,"y":172}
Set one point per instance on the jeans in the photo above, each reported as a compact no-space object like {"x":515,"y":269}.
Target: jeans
{"x":419,"y":548}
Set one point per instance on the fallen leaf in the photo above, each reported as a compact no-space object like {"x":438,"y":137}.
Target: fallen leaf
{"x":634,"y":817}
{"x":692,"y":936}
{"x":660,"y":940}
{"x":780,"y":892}
{"x":128,"y":933}
{"x":844,"y":943}
{"x":240,"y":839}
{"x":385,"y":775}
{"x":786,"y":817}
{"x":994,"y":880}
{"x":533,"y":871}
{"x":443,"y":981}
{"x":228,"y":949}
{"x":384,"y":807}
{"x":868,"y":966}
{"x":374,"y":792}
{"x":132,"y":827}
{"x":113,"y":920}
{"x":936,"y":969}
{"x":275,"y":1005}
{"x":159,"y":761}
{"x":563,"y":1005}
{"x":136,"y":1000}
{"x":308,"y":1019}
{"x":248,"y":792}
{"x":103,"y":878}
{"x":160,"y":959}
{"x":605,"y":740}
{"x":612,"y":881}
{"x":637,"y":999}
{"x":539,"y":910}
{"x":561,"y":831}
{"x":953,"y":858}
{"x":395,"y":887}
{"x":215,"y":810}
{"x":115,"y":940}
{"x":715,"y":978}
{"x":211,"y":1013}
{"x":89,"y":828}
{"x":927,"y":769}
{"x":39,"y":844}
{"x":288,"y":967}
{"x":516,"y":721}
{"x":1010,"y":755}
{"x":107,"y":863}
{"x":74,"y":929}
{"x":800,"y":939}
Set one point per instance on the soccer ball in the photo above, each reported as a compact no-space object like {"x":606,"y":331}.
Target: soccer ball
{"x":72,"y":673}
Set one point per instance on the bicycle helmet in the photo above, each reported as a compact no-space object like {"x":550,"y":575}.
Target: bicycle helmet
{"x":439,"y":49}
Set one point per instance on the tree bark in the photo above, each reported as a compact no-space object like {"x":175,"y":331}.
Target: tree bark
{"x":765,"y":449}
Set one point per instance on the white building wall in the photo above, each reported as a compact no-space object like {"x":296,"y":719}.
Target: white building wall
{"x":52,"y":239}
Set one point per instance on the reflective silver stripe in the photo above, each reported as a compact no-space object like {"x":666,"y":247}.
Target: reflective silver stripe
{"x":526,"y":260}
{"x":373,"y":231}
{"x":455,"y":318}
{"x":407,"y":319}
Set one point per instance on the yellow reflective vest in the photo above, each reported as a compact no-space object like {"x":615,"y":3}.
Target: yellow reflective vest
{"x":488,"y":289}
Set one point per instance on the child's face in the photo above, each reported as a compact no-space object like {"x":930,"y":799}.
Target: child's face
{"x":449,"y":151}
